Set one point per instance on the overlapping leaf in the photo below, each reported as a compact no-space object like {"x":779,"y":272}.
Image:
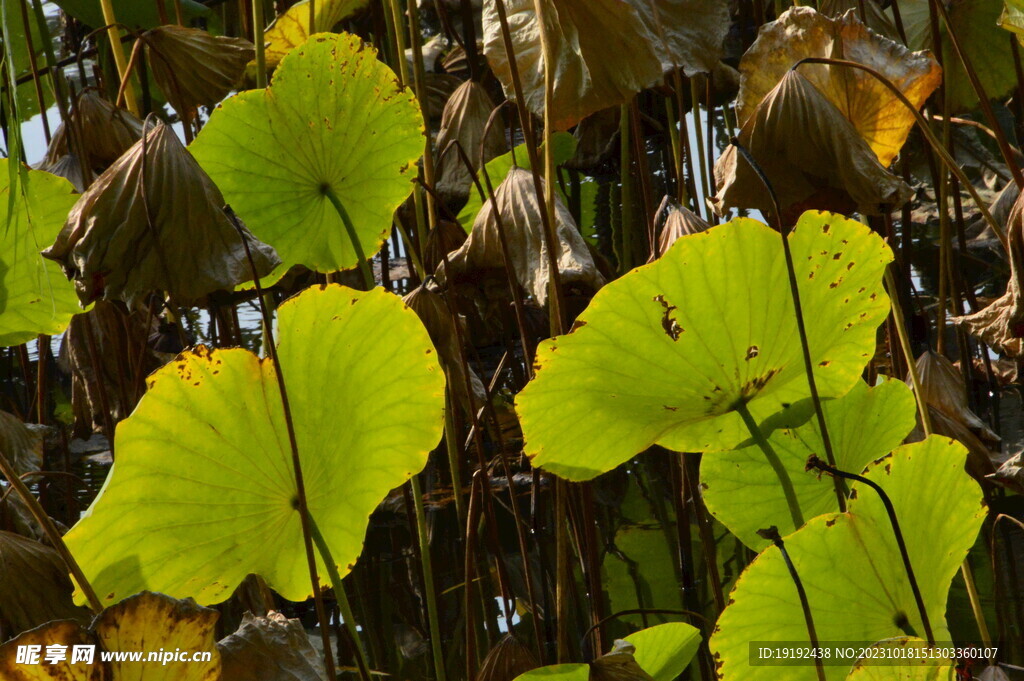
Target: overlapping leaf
{"x":742,"y":492}
{"x":333,"y":120}
{"x":203,"y":492}
{"x":664,"y":354}
{"x":851,"y":568}
{"x":35,"y":296}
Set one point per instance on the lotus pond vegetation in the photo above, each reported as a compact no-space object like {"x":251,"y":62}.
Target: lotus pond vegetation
{"x":511,"y":340}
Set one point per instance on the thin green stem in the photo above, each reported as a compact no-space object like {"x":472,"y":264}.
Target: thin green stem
{"x":357,"y":246}
{"x":773,"y":460}
{"x":428,"y":579}
{"x":343,"y":605}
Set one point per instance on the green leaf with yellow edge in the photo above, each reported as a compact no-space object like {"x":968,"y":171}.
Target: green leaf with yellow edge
{"x":291,"y":29}
{"x":664,"y":650}
{"x":147,"y":622}
{"x":35,"y":296}
{"x":202,"y":493}
{"x":743,"y":493}
{"x":918,"y":667}
{"x":851,"y":568}
{"x":664,"y":354}
{"x":334,"y":119}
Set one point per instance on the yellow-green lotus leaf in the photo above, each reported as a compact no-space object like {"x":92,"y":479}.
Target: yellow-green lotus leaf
{"x":334,"y":119}
{"x":664,"y":354}
{"x":851,"y":568}
{"x":924,"y":667}
{"x":291,"y":29}
{"x":202,"y":493}
{"x":743,"y":493}
{"x":664,"y":650}
{"x":873,"y":110}
{"x":35,"y":296}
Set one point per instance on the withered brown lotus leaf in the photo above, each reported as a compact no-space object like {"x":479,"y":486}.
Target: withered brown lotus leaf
{"x":877,"y":20}
{"x":105,"y":132}
{"x":446,"y":237}
{"x":686,"y":34}
{"x":811,"y":154}
{"x":521,"y":217}
{"x":463,"y":121}
{"x":679,"y":221}
{"x":154,"y":221}
{"x":606,"y":50}
{"x":67,"y":166}
{"x":1001,"y":324}
{"x":34,"y":586}
{"x":942,"y":387}
{"x":271,"y":648}
{"x":195,"y":68}
{"x":876,"y":114}
{"x":619,"y":664}
{"x":602,"y":56}
{"x":23,"y":448}
{"x":429,"y":305}
{"x":508,"y":659}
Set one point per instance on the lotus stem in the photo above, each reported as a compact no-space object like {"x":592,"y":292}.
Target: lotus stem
{"x":795,"y":513}
{"x":451,"y":446}
{"x":343,"y":604}
{"x":901,"y":332}
{"x":312,"y":17}
{"x":428,"y":579}
{"x":300,"y":486}
{"x":409,"y":248}
{"x":40,"y":516}
{"x":257,"y":39}
{"x":357,"y":246}
{"x":805,"y":347}
{"x":947,"y":159}
{"x":110,"y":19}
{"x":772,"y":535}
{"x":815,"y":463}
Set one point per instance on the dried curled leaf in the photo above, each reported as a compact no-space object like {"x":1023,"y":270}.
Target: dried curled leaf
{"x":144,"y":622}
{"x":877,"y":115}
{"x":271,"y":648}
{"x":679,"y":221}
{"x":463,"y":121}
{"x":508,"y":659}
{"x":34,"y":586}
{"x":812,"y":155}
{"x":104,"y":130}
{"x":875,"y":19}
{"x":22,"y":447}
{"x":195,"y":68}
{"x":154,"y":221}
{"x":520,"y":215}
{"x":1001,"y":324}
{"x":606,"y":50}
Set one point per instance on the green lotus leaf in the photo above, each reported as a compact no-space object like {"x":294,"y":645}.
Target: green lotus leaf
{"x":742,"y":492}
{"x":664,"y":650}
{"x":664,"y":354}
{"x":922,"y":669}
{"x":851,"y":568}
{"x":35,"y":296}
{"x":291,"y":29}
{"x":334,"y":119}
{"x":973,"y":21}
{"x":1012,"y":18}
{"x":202,"y":493}
{"x":557,"y":672}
